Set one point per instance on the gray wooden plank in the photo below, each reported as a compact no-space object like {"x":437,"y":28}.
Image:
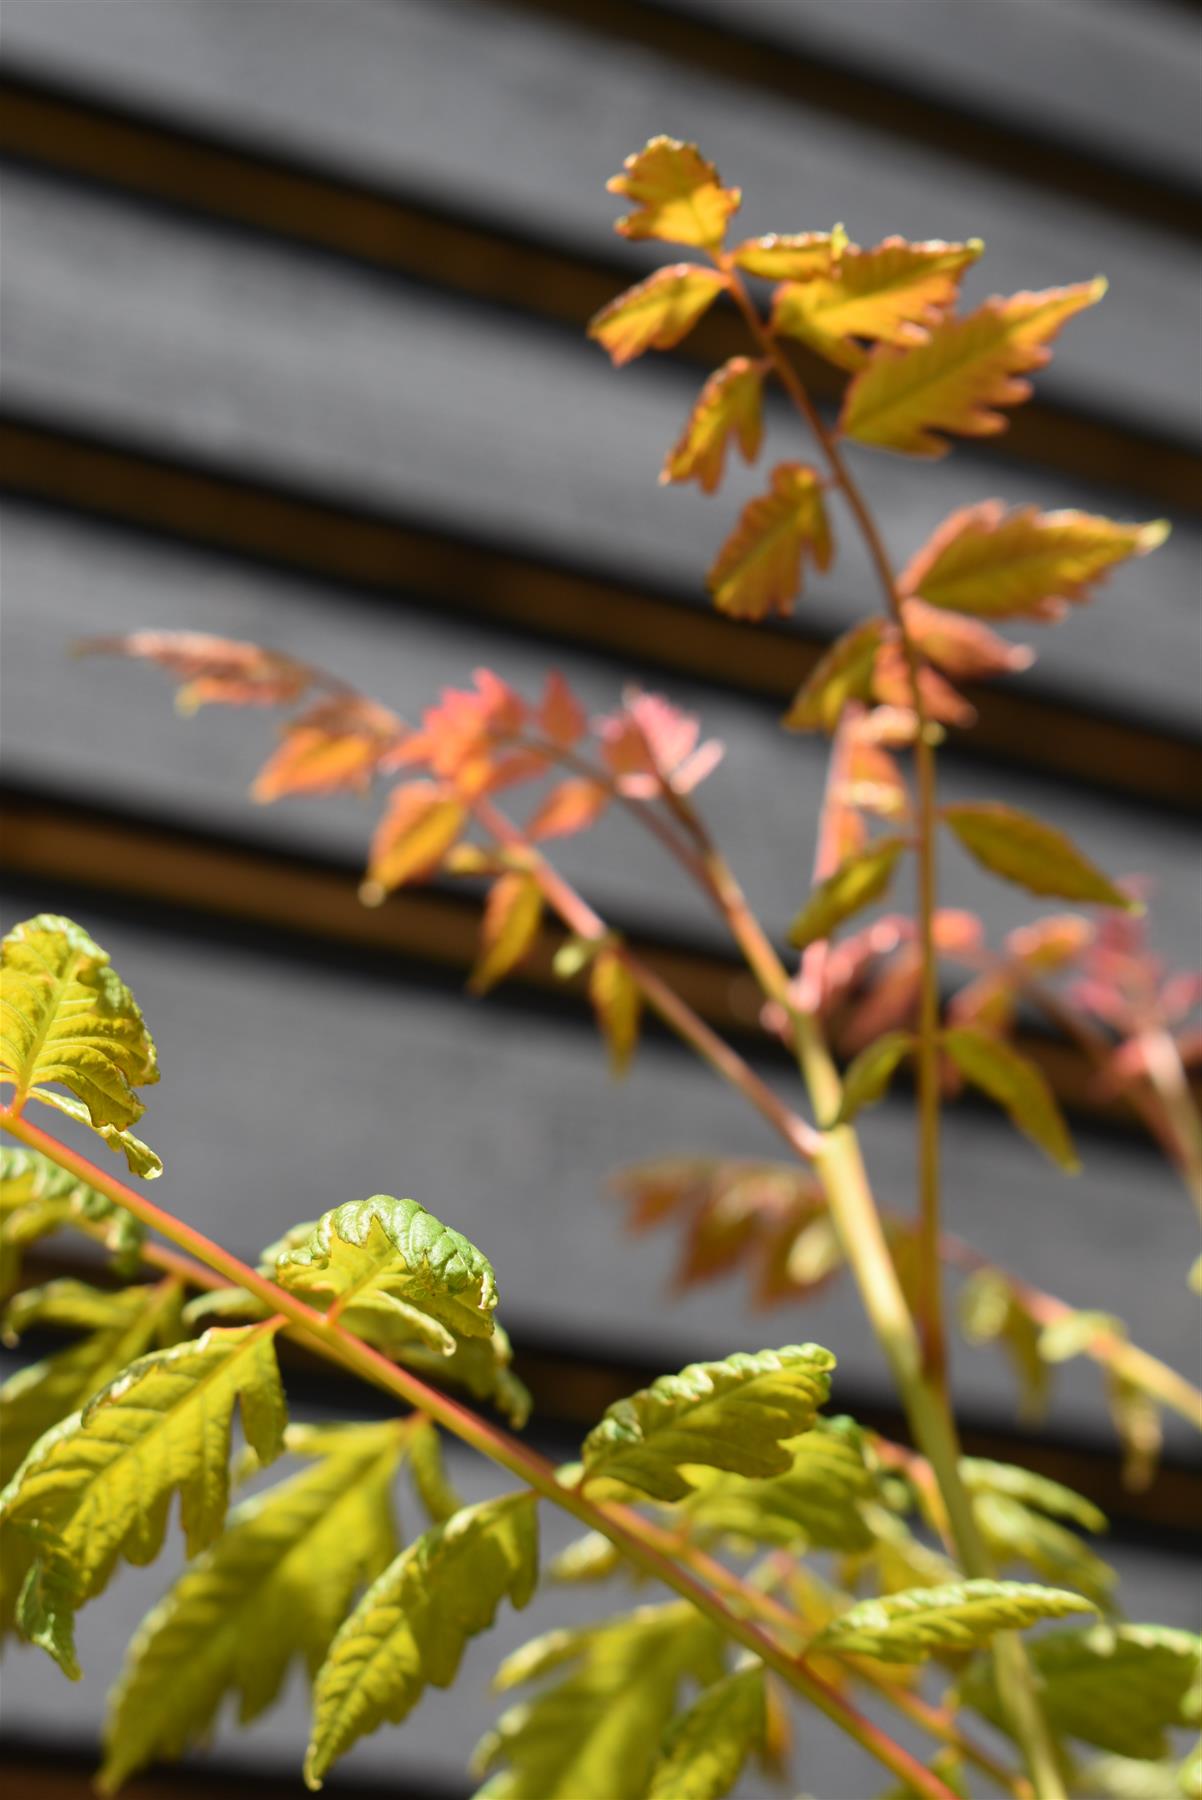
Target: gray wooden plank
{"x":294,"y":368}
{"x":528,"y":126}
{"x":107,"y":733}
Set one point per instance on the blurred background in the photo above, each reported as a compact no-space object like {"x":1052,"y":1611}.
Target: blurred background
{"x":293,"y":350}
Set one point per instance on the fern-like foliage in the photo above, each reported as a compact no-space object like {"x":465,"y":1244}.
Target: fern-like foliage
{"x":276,"y":1585}
{"x":733,"y":1415}
{"x":410,"y":1628}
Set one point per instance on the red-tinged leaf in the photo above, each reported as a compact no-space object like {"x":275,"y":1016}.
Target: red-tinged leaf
{"x":888,"y":1004}
{"x":798,"y":256}
{"x":1017,"y":1086}
{"x":844,"y":674}
{"x":658,"y":1190}
{"x":729,"y":409}
{"x":963,"y":648}
{"x":891,"y":684}
{"x":214,"y":670}
{"x":696,"y":768}
{"x":758,"y":570}
{"x":1024,"y":564}
{"x":464,"y":736}
{"x":1124,"y":1067}
{"x":1050,"y":943}
{"x":618,"y":1005}
{"x":956,"y":932}
{"x":423,"y":820}
{"x":873,"y":782}
{"x":720,"y":1233}
{"x":339,"y":743}
{"x":652,"y":744}
{"x":890,"y":294}
{"x":657,"y":313}
{"x":1036,"y":856}
{"x":856,"y":883}
{"x":800,"y":1257}
{"x":560,"y":716}
{"x":677,"y":194}
{"x":512,"y":916}
{"x":986,"y":1004}
{"x":956,"y":381}
{"x":572,"y":806}
{"x":867,"y":1078}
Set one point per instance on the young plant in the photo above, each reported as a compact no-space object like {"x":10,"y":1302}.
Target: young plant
{"x":806,"y":1558}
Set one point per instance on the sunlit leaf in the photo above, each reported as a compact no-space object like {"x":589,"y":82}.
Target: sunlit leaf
{"x":38,"y":1198}
{"x":213,"y":669}
{"x":815,"y":1504}
{"x":704,"y":1750}
{"x":560,"y":715}
{"x":511,"y":920}
{"x":1022,"y":564}
{"x":422,"y":822}
{"x":856,"y":883}
{"x":657,"y":313}
{"x":867,"y":1078}
{"x":955,"y":382}
{"x":728,"y":410}
{"x":759,"y":568}
{"x":893,"y":684}
{"x":991,"y":1311}
{"x":410,"y":1629}
{"x":795,"y":256}
{"x":930,"y":1621}
{"x":724,"y":1415}
{"x":428,"y":1470}
{"x":618,"y":1004}
{"x":337,"y":744}
{"x":1014,"y":1531}
{"x":481,"y":1365}
{"x":589,"y":1558}
{"x":1017,"y":1086}
{"x":890,"y":293}
{"x":981,"y":1476}
{"x":963,"y":648}
{"x":677,"y":194}
{"x":571,"y":806}
{"x":1036,"y":856}
{"x":843,"y":674}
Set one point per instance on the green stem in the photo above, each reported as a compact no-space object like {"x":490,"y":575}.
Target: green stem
{"x":624,"y":1527}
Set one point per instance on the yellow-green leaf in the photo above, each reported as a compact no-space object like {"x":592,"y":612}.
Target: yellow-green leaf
{"x":843,"y":674}
{"x":1033,"y":855}
{"x":705,"y":1748}
{"x":618,"y":1004}
{"x":867,"y":1077}
{"x":929,"y":1621}
{"x":731,"y":1415}
{"x":38,"y":1198}
{"x":981,"y":1476}
{"x":677,"y":194}
{"x":815,"y":1504}
{"x":890,"y":293}
{"x":728,"y":410}
{"x":69,"y":1018}
{"x":1015,"y":1532}
{"x":511,"y":921}
{"x":276,"y":1585}
{"x":1018,"y":1087}
{"x":657,"y":313}
{"x":410,"y":1629}
{"x":955,"y":382}
{"x":856,"y":883}
{"x":759,"y":568}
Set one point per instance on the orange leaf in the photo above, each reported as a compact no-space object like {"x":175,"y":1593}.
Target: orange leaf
{"x":677,"y":194}
{"x":1036,"y":856}
{"x":1025,"y":564}
{"x":967,"y":368}
{"x":874,"y":783}
{"x":618,"y":1004}
{"x":758,"y":570}
{"x":512,"y":916}
{"x":560,"y":715}
{"x":217,"y":670}
{"x":423,"y":820}
{"x":963,"y":647}
{"x":572,"y":806}
{"x":891,"y":683}
{"x":657,"y":313}
{"x":729,"y":406}
{"x":797,"y":257}
{"x":844,"y":673}
{"x":336,"y":744}
{"x":891,"y":293}
{"x":1050,"y":943}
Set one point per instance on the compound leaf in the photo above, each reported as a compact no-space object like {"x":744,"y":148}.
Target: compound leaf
{"x":929,"y":1621}
{"x":393,"y":1258}
{"x":677,"y":194}
{"x":758,"y":569}
{"x":1018,"y":1087}
{"x":657,"y":313}
{"x":955,"y":382}
{"x":511,"y":920}
{"x":275,"y":1585}
{"x":705,"y":1748}
{"x":890,"y":293}
{"x":1024,"y":564}
{"x":724,"y":1415}
{"x":728,"y":410}
{"x":1033,"y":855}
{"x":857,"y":882}
{"x":410,"y":1628}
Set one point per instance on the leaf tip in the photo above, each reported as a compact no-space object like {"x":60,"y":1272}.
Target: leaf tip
{"x":372,"y":892}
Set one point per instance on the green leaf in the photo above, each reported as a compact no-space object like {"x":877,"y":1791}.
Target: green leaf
{"x":856,"y":883}
{"x":1036,"y":856}
{"x":589,"y":1558}
{"x":430,"y":1478}
{"x":101,"y":1481}
{"x":815,"y":1504}
{"x":68,"y":1018}
{"x":705,"y":1748}
{"x":1015,"y":1532}
{"x":1131,"y":1778}
{"x":599,"y":1730}
{"x":926,"y":1621}
{"x":1019,"y":1088}
{"x":1119,"y":1687}
{"x":724,"y":1415}
{"x":867,"y":1077}
{"x":980,"y":1476}
{"x":38,"y":1198}
{"x":140,"y":1158}
{"x":411,"y":1626}
{"x":393,"y":1258}
{"x":276,"y":1585}
{"x":120,"y":1326}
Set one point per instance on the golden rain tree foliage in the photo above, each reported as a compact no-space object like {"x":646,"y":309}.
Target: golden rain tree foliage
{"x":807,"y":1561}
